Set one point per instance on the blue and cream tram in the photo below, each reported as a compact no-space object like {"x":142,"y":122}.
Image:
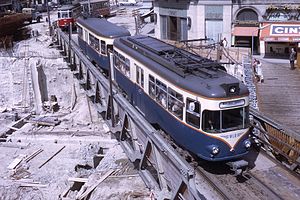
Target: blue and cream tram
{"x":95,"y":38}
{"x":203,"y":108}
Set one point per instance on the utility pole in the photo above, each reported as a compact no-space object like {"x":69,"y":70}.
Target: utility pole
{"x":49,"y":21}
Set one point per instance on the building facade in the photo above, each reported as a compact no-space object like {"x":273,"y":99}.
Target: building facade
{"x":269,"y":27}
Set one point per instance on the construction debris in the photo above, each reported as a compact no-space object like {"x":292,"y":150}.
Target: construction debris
{"x":44,"y":121}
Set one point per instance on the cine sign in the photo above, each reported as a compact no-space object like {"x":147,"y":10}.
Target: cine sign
{"x":285,"y":30}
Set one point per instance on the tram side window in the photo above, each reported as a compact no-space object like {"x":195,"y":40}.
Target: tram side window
{"x":193,"y":112}
{"x":117,"y":62}
{"x":122,"y":63}
{"x":175,"y":103}
{"x":127,"y":67}
{"x":80,"y":32}
{"x":94,"y":42}
{"x":139,"y":76}
{"x":64,"y":15}
{"x":103,"y":47}
{"x":151,"y":86}
{"x":161,"y":93}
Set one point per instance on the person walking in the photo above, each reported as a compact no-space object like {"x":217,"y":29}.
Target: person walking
{"x":260,"y":77}
{"x":292,"y":58}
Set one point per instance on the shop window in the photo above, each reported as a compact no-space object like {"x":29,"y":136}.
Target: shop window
{"x":193,"y":112}
{"x":175,"y":103}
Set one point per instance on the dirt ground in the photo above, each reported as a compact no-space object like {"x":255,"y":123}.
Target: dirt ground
{"x":42,"y":161}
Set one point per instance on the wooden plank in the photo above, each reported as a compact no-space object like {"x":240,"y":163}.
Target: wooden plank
{"x":81,"y":180}
{"x":51,"y":157}
{"x":34,"y":154}
{"x":90,"y":189}
{"x":16,"y":162}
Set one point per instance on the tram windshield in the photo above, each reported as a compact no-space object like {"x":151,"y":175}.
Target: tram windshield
{"x":225,"y":120}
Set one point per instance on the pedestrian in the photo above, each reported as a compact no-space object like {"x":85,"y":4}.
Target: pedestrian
{"x":224,"y":42}
{"x":292,"y":58}
{"x":259,"y":74}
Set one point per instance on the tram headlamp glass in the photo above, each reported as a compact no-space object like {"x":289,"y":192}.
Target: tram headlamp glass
{"x":214,"y":150}
{"x":247,"y":144}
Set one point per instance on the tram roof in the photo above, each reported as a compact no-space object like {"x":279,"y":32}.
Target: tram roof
{"x":188,"y":71}
{"x":103,"y":28}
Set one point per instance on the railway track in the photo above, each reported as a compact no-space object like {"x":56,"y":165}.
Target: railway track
{"x":161,"y":168}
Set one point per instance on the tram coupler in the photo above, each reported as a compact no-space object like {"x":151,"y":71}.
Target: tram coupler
{"x":238,"y":167}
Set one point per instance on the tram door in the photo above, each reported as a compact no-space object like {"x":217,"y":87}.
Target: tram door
{"x":140,"y":88}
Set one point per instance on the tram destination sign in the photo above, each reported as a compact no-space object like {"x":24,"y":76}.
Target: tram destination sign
{"x":285,"y":30}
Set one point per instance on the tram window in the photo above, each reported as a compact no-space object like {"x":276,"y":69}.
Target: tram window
{"x":161,"y":93}
{"x":139,"y":76}
{"x":151,"y":86}
{"x":80,"y":32}
{"x":109,"y":48}
{"x":117,"y":60}
{"x":94,"y":42}
{"x":58,"y":15}
{"x":64,"y":15}
{"x":211,"y":121}
{"x":175,"y":103}
{"x":127,"y":67}
{"x":193,"y":112}
{"x":103,"y":47}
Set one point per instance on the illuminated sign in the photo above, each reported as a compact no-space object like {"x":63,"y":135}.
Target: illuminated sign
{"x":285,"y":30}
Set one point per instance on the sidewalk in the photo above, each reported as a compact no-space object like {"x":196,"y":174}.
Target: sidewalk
{"x":279,"y":95}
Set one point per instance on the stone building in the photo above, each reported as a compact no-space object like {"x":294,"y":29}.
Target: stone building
{"x":271,"y":27}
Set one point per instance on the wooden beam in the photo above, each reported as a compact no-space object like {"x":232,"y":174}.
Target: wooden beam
{"x":90,"y":189}
{"x":52,"y":157}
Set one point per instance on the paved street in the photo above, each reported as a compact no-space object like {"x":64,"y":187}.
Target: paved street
{"x":279,"y":95}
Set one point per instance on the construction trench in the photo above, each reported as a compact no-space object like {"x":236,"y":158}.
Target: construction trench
{"x":53,"y":144}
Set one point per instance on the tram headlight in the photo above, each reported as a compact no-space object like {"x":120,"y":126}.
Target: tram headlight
{"x":247,"y":144}
{"x":215,"y":150}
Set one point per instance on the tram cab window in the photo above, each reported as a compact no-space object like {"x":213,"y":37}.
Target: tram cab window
{"x":211,"y":121}
{"x":103,"y":47}
{"x":225,"y":120}
{"x":161,"y":93}
{"x":175,"y":103}
{"x":193,"y":112}
{"x":151,"y":86}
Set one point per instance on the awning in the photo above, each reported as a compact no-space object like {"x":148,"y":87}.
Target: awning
{"x":245,"y":31}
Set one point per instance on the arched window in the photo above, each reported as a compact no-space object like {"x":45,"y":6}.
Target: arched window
{"x":247,"y":15}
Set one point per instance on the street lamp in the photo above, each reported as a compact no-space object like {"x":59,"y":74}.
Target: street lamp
{"x":252,"y":40}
